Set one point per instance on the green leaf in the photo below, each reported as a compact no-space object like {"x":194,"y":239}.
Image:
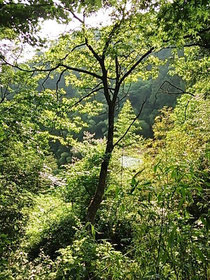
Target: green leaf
{"x":200,"y":254}
{"x":93,"y":232}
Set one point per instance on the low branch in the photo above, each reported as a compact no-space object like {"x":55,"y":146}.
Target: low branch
{"x":127,"y":130}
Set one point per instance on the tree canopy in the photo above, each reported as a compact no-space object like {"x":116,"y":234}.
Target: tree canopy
{"x":69,"y":207}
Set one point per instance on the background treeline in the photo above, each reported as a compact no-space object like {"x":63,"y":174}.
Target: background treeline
{"x":153,"y":220}
{"x":159,"y":92}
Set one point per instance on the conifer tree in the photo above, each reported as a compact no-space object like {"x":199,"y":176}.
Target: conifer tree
{"x":125,"y":117}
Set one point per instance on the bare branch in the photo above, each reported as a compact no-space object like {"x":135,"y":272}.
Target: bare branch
{"x":135,"y":65}
{"x":181,"y":91}
{"x":87,"y":95}
{"x":74,"y":48}
{"x":47,"y":77}
{"x":81,"y":71}
{"x":58,"y":81}
{"x":75,"y":16}
{"x":98,"y":58}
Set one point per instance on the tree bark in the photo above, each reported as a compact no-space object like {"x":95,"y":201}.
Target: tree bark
{"x":98,"y":197}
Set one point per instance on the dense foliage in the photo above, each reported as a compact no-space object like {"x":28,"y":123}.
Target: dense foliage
{"x":134,"y":100}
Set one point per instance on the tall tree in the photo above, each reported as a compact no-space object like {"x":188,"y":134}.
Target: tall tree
{"x":102,"y":60}
{"x":107,"y":58}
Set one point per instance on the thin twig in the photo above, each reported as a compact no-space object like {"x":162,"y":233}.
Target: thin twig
{"x":75,"y":16}
{"x":136,"y":64}
{"x":181,"y":91}
{"x":47,"y":77}
{"x":74,"y":48}
{"x":129,"y":127}
{"x":58,"y":81}
{"x":86,"y":96}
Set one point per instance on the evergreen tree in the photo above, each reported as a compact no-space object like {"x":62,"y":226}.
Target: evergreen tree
{"x":125,"y":118}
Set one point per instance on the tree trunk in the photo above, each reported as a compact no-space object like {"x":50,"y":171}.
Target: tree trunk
{"x":98,"y":197}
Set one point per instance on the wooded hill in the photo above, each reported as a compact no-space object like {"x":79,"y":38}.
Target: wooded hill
{"x":104,"y":142}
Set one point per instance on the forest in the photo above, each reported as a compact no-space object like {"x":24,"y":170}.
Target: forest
{"x":104,"y":140}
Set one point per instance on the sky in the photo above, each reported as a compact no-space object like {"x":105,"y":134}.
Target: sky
{"x":51,"y":30}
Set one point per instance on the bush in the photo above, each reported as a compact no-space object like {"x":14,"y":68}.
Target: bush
{"x":51,"y":226}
